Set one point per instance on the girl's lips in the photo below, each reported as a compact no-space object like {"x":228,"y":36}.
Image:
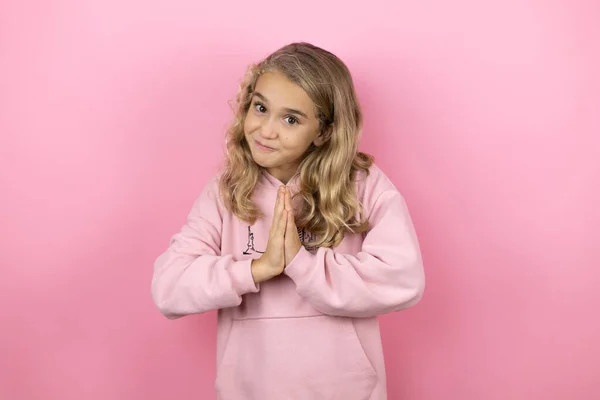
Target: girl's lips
{"x":263,"y":147}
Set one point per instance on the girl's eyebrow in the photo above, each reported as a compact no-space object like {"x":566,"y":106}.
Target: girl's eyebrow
{"x":286,"y":109}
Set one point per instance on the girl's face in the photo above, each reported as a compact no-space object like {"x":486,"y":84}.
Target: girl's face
{"x":280,"y":125}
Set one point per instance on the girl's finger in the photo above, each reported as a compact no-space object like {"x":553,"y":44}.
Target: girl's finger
{"x":277,"y":201}
{"x":280,"y":207}
{"x":277,"y":212}
{"x":290,"y":219}
{"x":288,"y":200}
{"x":280,"y":217}
{"x":290,"y":229}
{"x":281,"y":225}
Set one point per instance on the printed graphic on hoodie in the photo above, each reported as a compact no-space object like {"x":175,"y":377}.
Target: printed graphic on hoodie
{"x":250,"y":246}
{"x":304,"y":236}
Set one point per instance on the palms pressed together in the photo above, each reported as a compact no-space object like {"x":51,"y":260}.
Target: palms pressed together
{"x":283,"y":244}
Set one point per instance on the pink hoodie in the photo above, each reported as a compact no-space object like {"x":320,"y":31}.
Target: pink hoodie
{"x":311,"y":333}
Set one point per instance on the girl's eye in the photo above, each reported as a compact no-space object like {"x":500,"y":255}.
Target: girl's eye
{"x":291,"y":120}
{"x":260,"y":108}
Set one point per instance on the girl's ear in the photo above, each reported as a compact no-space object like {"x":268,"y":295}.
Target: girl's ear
{"x":323,"y":136}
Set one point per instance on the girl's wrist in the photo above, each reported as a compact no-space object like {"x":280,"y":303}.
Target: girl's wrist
{"x":258,"y":270}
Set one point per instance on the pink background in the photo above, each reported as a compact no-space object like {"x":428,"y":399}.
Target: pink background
{"x":485,"y":115}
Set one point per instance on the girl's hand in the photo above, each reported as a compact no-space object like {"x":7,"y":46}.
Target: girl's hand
{"x":272,"y":261}
{"x":292,"y":241}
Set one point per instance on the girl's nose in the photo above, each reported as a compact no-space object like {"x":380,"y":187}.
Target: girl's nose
{"x":268,"y":129}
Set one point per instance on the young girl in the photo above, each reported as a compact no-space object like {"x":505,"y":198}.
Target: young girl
{"x":300,"y":243}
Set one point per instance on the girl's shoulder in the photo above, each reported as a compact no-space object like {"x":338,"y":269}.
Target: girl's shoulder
{"x":209,"y":194}
{"x":210,"y":186}
{"x":373,"y":182}
{"x":371,"y":186}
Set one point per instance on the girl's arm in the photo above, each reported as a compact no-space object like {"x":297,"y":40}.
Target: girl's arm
{"x":191,"y":276}
{"x":386,"y":275}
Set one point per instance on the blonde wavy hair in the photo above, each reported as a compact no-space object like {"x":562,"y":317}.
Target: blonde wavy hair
{"x":330,"y":207}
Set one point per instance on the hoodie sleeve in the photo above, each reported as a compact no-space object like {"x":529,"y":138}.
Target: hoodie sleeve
{"x":386,"y":275}
{"x":191,"y":276}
